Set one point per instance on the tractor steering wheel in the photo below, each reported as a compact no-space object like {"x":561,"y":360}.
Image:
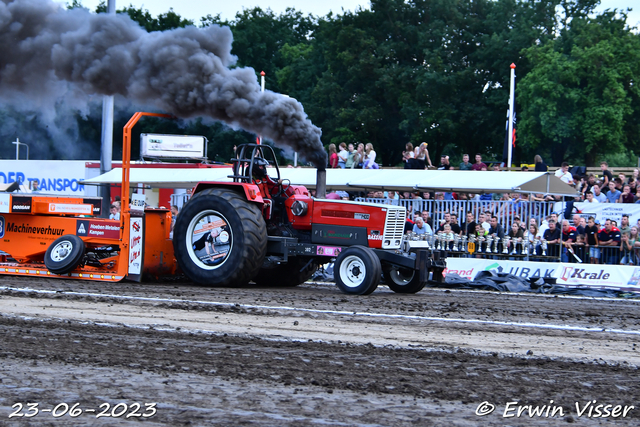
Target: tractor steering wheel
{"x":281,"y":188}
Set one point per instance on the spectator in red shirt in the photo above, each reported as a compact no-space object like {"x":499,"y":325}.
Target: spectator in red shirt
{"x":609,"y":236}
{"x":478,"y":165}
{"x":569,"y":236}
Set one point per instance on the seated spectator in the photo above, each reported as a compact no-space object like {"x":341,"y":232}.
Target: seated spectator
{"x":598,"y":194}
{"x":626,"y":196}
{"x":420,"y":227}
{"x":343,"y":155}
{"x":444,"y":163}
{"x":564,"y":174}
{"x":515,"y":232}
{"x":496,"y":229}
{"x":531,"y":234}
{"x":613,"y":195}
{"x":469,"y":226}
{"x":426,"y":217}
{"x":447,"y":221}
{"x":590,"y":198}
{"x":370,"y":157}
{"x":408,"y":156}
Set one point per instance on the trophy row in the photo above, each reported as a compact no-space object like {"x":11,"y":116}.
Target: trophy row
{"x":455,"y":243}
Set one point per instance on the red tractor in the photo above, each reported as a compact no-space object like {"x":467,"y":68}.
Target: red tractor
{"x":261,"y":228}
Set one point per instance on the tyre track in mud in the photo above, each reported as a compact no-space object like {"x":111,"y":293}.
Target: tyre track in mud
{"x":242,"y":374}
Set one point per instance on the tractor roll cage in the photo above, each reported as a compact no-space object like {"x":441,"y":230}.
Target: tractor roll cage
{"x":243,"y":164}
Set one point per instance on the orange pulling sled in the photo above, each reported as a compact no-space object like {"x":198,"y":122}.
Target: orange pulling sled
{"x":58,"y":236}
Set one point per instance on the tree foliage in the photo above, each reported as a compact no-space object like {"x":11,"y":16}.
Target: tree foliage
{"x":438,"y":71}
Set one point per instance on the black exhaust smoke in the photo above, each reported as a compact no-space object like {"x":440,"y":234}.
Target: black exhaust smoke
{"x":48,"y":53}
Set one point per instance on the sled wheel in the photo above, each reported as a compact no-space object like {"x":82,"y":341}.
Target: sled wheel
{"x":292,"y":273}
{"x":357,"y":270}
{"x":64,"y":254}
{"x":403,"y":280}
{"x":220,"y":239}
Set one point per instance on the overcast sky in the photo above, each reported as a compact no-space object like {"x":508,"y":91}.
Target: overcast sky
{"x":195,"y":9}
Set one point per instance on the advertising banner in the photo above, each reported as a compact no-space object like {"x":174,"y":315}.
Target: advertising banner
{"x":172,"y":146}
{"x":136,"y":245}
{"x":53,"y":176}
{"x":604,"y":211}
{"x":597,"y":276}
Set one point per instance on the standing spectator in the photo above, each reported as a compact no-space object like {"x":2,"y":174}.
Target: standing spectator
{"x":465,"y":165}
{"x":626,"y":196}
{"x":568,"y":238}
{"x":358,"y":158}
{"x":484,"y":221}
{"x":343,"y":155}
{"x":392,"y":198}
{"x":426,"y":217}
{"x":591,"y":231}
{"x":590,"y":198}
{"x":496,"y":168}
{"x":613,"y":195}
{"x":444,"y":163}
{"x":478,"y":165}
{"x":350,"y":157}
{"x":609,"y":236}
{"x":408,"y":156}
{"x":628,"y":247}
{"x":114,"y":212}
{"x":637,"y":198}
{"x":469,"y":227}
{"x":552,"y":236}
{"x":576,"y":224}
{"x":607,"y":176}
{"x":422,"y":156}
{"x":564,"y":174}
{"x":625,"y":228}
{"x":540,"y":165}
{"x":333,"y":156}
{"x":591,"y":181}
{"x":408,"y":225}
{"x":370,"y":157}
{"x":598,"y":195}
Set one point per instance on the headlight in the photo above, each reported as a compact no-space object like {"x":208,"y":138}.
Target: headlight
{"x":299,"y":208}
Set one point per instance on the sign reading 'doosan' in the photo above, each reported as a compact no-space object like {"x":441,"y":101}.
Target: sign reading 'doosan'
{"x":53,"y":176}
{"x":172,"y":146}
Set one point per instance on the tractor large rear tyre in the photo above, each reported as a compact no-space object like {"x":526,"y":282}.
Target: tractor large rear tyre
{"x":402,"y":280}
{"x":292,"y":273}
{"x":357,"y":270}
{"x":220,"y":239}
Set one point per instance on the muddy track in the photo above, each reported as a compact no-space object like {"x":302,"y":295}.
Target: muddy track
{"x":258,"y":356}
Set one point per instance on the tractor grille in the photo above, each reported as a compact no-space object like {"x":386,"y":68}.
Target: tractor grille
{"x":394,"y":227}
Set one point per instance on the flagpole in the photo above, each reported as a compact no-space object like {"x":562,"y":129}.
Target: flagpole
{"x":512,"y":93}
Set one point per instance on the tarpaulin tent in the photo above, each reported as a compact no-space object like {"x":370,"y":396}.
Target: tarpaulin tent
{"x":363,"y":179}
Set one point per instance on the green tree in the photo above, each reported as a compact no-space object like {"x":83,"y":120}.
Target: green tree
{"x":580,"y":98}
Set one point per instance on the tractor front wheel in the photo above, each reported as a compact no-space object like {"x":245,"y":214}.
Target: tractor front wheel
{"x":357,"y":270}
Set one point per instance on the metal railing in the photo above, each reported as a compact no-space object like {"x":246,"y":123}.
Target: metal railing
{"x":505,"y":210}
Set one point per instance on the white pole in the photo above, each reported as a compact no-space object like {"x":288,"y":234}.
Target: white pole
{"x":17,"y":148}
{"x":106,"y":146}
{"x":512,"y":93}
